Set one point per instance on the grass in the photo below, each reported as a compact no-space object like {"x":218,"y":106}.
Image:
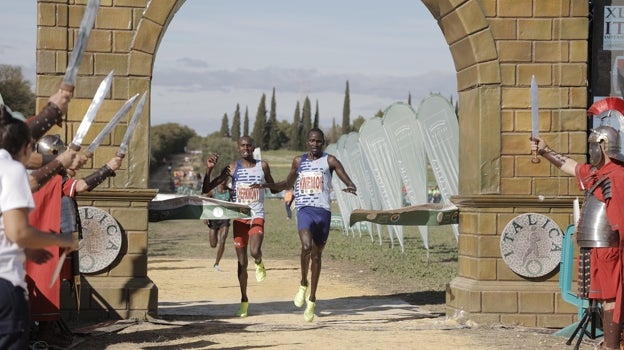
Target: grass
{"x":280,"y":162}
{"x":401,"y":272}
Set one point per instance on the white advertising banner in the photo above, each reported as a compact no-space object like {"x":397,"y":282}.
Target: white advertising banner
{"x":345,"y":212}
{"x":399,"y":122}
{"x":381,"y":158}
{"x":440,"y":131}
{"x":361,"y":173}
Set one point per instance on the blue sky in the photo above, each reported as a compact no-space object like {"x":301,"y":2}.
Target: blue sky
{"x":216,"y":54}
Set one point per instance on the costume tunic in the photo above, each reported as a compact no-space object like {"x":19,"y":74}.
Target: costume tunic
{"x":45,"y":300}
{"x":606,"y":263}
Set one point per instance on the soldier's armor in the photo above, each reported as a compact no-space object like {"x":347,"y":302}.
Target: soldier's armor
{"x":594,"y":230}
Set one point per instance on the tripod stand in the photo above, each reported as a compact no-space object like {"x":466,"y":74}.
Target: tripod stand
{"x":591,"y":314}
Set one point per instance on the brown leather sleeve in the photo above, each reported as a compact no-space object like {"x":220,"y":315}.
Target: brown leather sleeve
{"x":98,"y":177}
{"x":46,"y":172}
{"x":45,"y":120}
{"x":555,"y":158}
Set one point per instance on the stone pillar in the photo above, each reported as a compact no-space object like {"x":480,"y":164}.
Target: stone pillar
{"x":498,"y":182}
{"x":124,"y":39}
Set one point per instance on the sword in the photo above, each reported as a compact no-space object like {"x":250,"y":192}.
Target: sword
{"x":534,"y":115}
{"x":69,"y":80}
{"x":57,"y":269}
{"x":89,"y":116}
{"x":110,"y":126}
{"x":59,"y":265}
{"x":123,"y":147}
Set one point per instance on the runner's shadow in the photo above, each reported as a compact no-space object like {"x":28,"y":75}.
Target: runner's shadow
{"x":391,"y":307}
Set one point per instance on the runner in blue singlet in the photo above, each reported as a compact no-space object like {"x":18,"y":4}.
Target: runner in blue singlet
{"x":311,"y":175}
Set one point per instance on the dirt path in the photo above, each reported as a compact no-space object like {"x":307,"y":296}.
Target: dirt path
{"x":197,"y":307}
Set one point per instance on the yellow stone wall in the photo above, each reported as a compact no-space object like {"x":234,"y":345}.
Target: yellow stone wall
{"x":496,"y":45}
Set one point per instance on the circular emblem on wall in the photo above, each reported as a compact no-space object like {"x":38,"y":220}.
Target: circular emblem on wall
{"x":101,"y":239}
{"x":531,"y":245}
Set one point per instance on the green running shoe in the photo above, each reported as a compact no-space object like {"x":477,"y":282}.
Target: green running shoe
{"x":300,"y":296}
{"x":260,"y":272}
{"x":308,"y":314}
{"x":242,"y":310}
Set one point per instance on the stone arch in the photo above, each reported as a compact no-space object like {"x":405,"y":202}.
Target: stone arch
{"x":472,"y":45}
{"x":495,"y":45}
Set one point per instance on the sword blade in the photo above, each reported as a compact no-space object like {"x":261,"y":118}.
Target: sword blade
{"x":110,"y":126}
{"x":94,"y":107}
{"x":57,"y":269}
{"x":123,"y":147}
{"x":534,"y":108}
{"x":69,"y":80}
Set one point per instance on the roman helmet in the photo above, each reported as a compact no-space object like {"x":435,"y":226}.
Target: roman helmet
{"x":50,"y":145}
{"x":604,"y":138}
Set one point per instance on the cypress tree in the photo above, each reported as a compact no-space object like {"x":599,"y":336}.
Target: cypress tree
{"x":316,"y":116}
{"x":334,"y":132}
{"x":272,"y":128}
{"x":246,"y":123}
{"x":346,"y":112}
{"x":225,"y":127}
{"x":297,"y":126}
{"x":306,"y":119}
{"x":235,"y":130}
{"x":258,"y":133}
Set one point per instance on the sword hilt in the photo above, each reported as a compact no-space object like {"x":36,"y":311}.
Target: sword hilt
{"x":535,"y":159}
{"x":67,"y":87}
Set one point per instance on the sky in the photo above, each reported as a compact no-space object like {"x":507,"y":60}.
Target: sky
{"x":217,"y":54}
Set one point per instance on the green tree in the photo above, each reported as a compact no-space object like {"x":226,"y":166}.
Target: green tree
{"x":225,"y":126}
{"x":379,"y":114}
{"x":246,"y":123}
{"x":226,"y":149}
{"x":306,"y":119}
{"x":236,"y":121}
{"x":346,"y":111}
{"x":259,"y":129}
{"x":295,"y":140}
{"x":272,"y":127}
{"x":409,"y":99}
{"x":167,"y":139}
{"x":357,"y":123}
{"x":16,"y":91}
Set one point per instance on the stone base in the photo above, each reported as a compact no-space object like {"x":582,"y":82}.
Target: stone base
{"x":526,"y":303}
{"x":106,"y":298}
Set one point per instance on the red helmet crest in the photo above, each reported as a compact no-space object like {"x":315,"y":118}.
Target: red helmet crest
{"x":607,"y":104}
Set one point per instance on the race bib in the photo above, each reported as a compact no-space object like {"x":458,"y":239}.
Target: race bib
{"x":246,"y":195}
{"x":311,"y":182}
